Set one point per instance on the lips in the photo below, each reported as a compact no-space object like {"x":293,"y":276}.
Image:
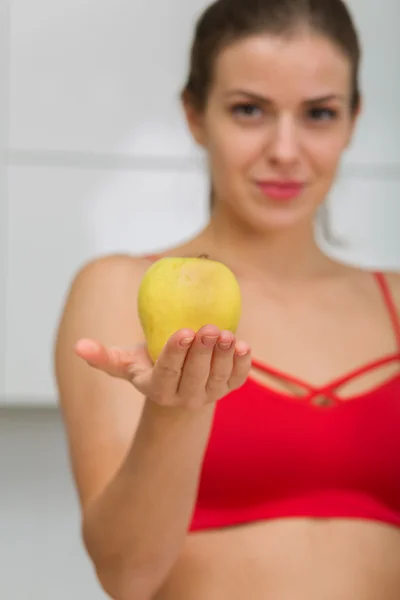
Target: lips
{"x":281,"y":190}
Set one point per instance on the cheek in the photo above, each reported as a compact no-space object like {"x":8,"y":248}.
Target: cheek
{"x":326,"y":153}
{"x":235,"y":149}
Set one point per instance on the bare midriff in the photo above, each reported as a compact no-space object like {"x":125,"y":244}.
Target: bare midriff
{"x":289,"y":559}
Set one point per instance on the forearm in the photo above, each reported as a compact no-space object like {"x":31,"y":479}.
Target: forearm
{"x":135,"y":529}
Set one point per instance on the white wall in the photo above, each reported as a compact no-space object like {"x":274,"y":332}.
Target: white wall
{"x":96,"y":148}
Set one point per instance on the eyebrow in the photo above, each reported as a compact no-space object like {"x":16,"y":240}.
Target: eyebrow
{"x":256,"y":97}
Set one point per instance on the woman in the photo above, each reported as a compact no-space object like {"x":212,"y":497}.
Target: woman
{"x":215,"y":475}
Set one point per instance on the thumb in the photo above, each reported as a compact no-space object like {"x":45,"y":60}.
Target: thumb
{"x":127,"y":362}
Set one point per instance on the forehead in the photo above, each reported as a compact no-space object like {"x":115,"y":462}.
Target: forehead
{"x":302,"y":65}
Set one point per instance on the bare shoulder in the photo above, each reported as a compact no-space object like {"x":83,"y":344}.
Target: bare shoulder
{"x":101,"y":302}
{"x":120,"y":267}
{"x":100,"y":413}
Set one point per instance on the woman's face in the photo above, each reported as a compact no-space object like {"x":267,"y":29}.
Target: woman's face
{"x":277,"y":121}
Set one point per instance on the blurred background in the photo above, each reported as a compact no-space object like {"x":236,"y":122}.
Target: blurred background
{"x":97,"y":161}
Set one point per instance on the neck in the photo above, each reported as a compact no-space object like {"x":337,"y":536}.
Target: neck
{"x":290,"y":253}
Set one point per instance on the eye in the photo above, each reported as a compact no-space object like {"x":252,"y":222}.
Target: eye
{"x":322,"y":114}
{"x":246,"y":110}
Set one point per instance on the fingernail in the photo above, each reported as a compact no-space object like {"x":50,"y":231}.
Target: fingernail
{"x":209,"y":340}
{"x":241,"y":352}
{"x":186,"y":341}
{"x":225,"y":345}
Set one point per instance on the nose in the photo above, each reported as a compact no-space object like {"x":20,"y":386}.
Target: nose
{"x":283,"y":148}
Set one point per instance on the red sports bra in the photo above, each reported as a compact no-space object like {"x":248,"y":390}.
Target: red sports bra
{"x":272,"y":455}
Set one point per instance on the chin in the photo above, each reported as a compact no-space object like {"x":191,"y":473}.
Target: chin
{"x":281,"y":218}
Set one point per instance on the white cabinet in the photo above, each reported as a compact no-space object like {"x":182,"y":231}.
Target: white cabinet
{"x":4,"y":67}
{"x":364,"y":216}
{"x":58,"y":219}
{"x":99,"y":76}
{"x":378,"y":136}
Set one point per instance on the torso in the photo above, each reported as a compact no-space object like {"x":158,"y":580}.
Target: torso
{"x":316,"y":333}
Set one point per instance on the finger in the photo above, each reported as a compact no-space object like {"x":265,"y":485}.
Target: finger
{"x":221,"y":365}
{"x":241,"y":366}
{"x":196,"y":371}
{"x":168,"y":367}
{"x":115,"y":361}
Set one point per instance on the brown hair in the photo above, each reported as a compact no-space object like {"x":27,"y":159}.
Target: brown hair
{"x":227,"y":21}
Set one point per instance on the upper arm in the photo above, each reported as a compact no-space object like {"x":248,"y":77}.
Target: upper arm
{"x":100,"y":413}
